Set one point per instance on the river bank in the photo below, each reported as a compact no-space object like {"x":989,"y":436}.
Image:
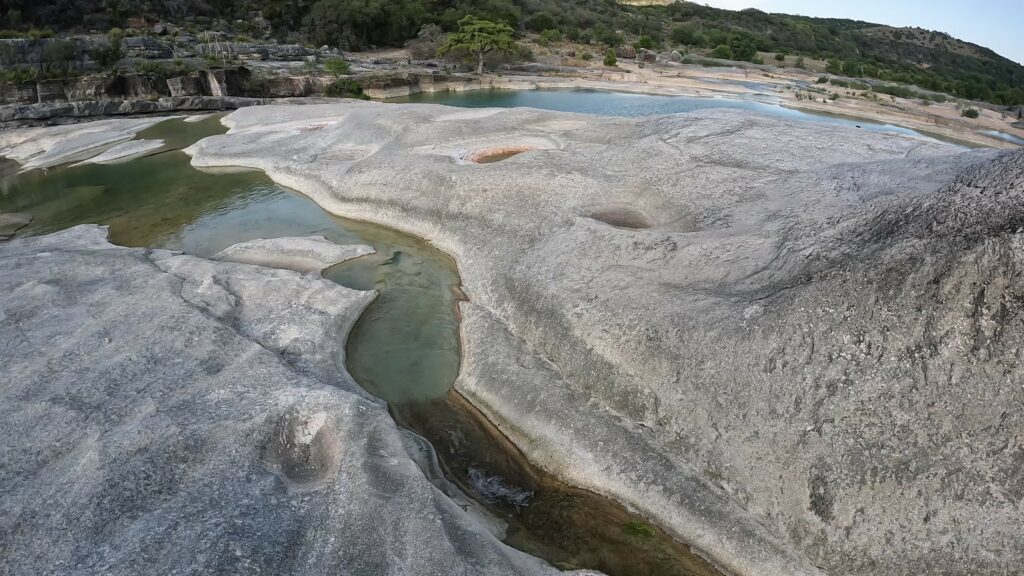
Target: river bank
{"x":779,"y":87}
{"x":392,"y":74}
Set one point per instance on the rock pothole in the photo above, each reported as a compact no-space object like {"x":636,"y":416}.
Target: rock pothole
{"x":497,"y":154}
{"x":621,"y":217}
{"x":303,"y":450}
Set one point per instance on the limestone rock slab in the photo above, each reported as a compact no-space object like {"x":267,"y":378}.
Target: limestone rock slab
{"x":302,"y":254}
{"x":165,"y":414}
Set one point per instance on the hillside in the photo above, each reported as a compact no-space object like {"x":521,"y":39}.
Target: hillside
{"x":930,"y":59}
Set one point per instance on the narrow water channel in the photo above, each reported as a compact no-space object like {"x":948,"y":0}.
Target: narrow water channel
{"x":404,"y":349}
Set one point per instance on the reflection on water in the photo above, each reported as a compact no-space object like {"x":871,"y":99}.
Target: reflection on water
{"x":569,"y":527}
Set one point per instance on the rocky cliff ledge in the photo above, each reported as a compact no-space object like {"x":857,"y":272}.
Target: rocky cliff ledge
{"x":798,"y":347}
{"x":165,"y":414}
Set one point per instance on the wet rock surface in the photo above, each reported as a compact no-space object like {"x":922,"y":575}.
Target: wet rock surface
{"x":11,"y":222}
{"x":168,"y":414}
{"x":799,"y":347}
{"x":307,"y":254}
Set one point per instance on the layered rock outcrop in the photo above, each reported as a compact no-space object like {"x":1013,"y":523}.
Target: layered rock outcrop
{"x":796,"y":347}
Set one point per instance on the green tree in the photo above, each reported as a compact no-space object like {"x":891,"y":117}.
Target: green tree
{"x":357,"y":24}
{"x":722,"y":51}
{"x":645,"y":42}
{"x":780,"y":57}
{"x":549,"y":36}
{"x":743,"y":47}
{"x":108,"y":56}
{"x":479,"y":38}
{"x":609,"y":58}
{"x":607,"y":37}
{"x":834,"y":66}
{"x":540,"y":22}
{"x":688,"y":35}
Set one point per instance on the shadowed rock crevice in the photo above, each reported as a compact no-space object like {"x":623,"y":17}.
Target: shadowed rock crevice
{"x":621,"y":217}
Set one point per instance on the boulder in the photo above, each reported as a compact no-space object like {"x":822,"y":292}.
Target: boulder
{"x":164,"y":29}
{"x":646,"y":56}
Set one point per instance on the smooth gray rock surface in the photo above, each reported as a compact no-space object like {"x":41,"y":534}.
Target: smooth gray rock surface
{"x":49,"y":146}
{"x":797,"y":347}
{"x":165,"y":414}
{"x":302,"y":254}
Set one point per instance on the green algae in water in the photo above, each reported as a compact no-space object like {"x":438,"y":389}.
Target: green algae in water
{"x":404,"y":347}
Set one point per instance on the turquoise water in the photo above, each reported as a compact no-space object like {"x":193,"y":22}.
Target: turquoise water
{"x":624,"y":104}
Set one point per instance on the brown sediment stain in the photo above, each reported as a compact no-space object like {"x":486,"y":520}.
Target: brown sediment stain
{"x":497,"y":154}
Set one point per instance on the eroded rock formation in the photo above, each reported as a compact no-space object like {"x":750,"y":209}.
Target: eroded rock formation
{"x":148,"y":398}
{"x":797,"y":347}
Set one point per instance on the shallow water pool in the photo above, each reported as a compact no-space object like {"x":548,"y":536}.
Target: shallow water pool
{"x":607,"y":103}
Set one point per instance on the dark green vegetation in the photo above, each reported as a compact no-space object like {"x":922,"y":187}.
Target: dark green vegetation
{"x":932,"y":60}
{"x":479,"y":38}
